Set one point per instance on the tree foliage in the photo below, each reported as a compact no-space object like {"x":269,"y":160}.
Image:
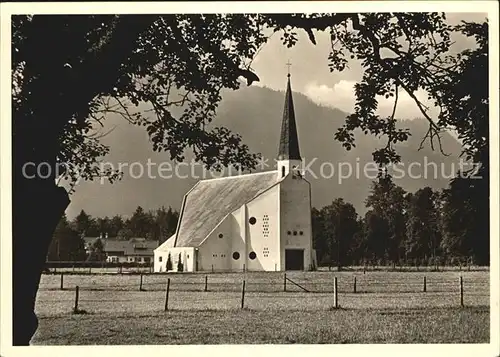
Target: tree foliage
{"x":129,"y":65}
{"x":66,"y":244}
{"x":180,"y":264}
{"x":97,"y":253}
{"x":425,"y":228}
{"x":169,"y":266}
{"x":157,"y":224}
{"x":388,"y":202}
{"x":70,"y":71}
{"x":375,"y":234}
{"x":422,"y":226}
{"x":465,"y":221}
{"x":409,"y":52}
{"x":334,"y":229}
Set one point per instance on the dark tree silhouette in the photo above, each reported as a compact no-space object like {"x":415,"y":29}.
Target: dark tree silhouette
{"x":97,"y":253}
{"x":180,"y":265}
{"x":66,"y":245}
{"x":387,"y":201}
{"x":422,"y":227}
{"x":169,"y":266}
{"x":339,"y":224}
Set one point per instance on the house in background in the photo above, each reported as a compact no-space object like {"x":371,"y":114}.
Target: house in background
{"x":254,"y":222}
{"x":134,"y":250}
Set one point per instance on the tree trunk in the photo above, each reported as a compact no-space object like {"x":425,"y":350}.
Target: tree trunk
{"x":37,"y":202}
{"x":37,"y":209}
{"x":52,"y":97}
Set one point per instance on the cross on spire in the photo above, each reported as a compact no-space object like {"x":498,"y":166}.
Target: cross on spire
{"x":288,"y":64}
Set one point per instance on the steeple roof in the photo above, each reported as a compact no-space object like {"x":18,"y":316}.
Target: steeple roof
{"x":289,"y":142}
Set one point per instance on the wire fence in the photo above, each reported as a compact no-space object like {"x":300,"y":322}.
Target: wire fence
{"x":138,"y":268}
{"x":60,"y":293}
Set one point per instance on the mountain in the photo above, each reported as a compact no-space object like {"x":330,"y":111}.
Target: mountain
{"x":255,"y":113}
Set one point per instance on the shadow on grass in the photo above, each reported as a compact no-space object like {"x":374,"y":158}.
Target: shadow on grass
{"x":247,"y":310}
{"x":79,"y":312}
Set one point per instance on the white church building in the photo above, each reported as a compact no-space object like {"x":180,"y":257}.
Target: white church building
{"x":253,"y":222}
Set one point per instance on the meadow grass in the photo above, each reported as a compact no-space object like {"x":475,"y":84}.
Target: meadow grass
{"x":430,"y":325}
{"x":388,"y":307}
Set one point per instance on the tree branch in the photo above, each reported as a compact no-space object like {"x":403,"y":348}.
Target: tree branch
{"x":433,"y":127}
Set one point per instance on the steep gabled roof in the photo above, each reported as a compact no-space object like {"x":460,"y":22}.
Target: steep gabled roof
{"x":169,"y":243}
{"x":209,"y":201}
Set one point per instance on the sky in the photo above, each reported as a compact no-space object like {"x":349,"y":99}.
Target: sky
{"x":311,"y":75}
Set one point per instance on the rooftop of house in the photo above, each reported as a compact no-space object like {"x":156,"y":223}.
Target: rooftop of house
{"x":133,"y":246}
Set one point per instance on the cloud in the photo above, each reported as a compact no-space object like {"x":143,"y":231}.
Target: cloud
{"x":341,"y":96}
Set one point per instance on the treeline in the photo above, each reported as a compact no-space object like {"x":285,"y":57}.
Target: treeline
{"x":153,"y":225}
{"x":428,"y":227}
{"x":68,"y":244}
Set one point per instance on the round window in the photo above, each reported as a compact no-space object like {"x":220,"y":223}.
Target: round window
{"x":221,"y":235}
{"x":301,"y":233}
{"x":294,"y":233}
{"x":252,"y":220}
{"x":236,"y":255}
{"x":289,"y":232}
{"x":252,"y":255}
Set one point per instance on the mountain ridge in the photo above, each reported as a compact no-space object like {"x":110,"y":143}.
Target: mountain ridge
{"x":255,"y":113}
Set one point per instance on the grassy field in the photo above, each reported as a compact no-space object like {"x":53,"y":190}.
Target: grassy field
{"x":388,"y":307}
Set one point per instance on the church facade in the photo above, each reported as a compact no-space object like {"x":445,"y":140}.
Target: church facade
{"x":254,"y":222}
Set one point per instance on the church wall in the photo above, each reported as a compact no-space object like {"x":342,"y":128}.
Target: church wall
{"x":214,"y":253}
{"x":262,"y":236}
{"x":187,"y":259}
{"x":295,"y":211}
{"x":241,"y":237}
{"x":238,"y":238}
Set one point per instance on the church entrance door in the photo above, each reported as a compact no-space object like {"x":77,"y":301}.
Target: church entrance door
{"x":294,"y":259}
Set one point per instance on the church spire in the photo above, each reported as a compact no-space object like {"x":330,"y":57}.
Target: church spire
{"x":289,"y":142}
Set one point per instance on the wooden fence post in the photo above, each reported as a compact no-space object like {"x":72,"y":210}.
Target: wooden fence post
{"x":284,"y":282}
{"x":62,"y":281}
{"x":77,"y":295}
{"x":243,"y":295}
{"x":425,"y":284}
{"x":461,"y":291}
{"x":140,"y":284}
{"x":335,"y":293}
{"x":212,"y":268}
{"x":90,"y":269}
{"x":206,"y":282}
{"x":354,"y":289}
{"x":166,"y":294}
